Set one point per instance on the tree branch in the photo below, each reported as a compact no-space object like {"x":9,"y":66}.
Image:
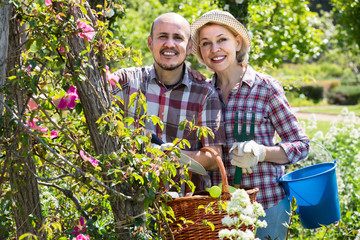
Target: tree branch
{"x":69,"y":194}
{"x":78,"y":170}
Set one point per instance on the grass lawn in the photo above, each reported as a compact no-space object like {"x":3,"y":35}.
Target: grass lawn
{"x":321,"y":126}
{"x":332,"y":109}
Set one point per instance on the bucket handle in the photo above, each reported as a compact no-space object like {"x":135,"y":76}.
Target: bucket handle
{"x":324,"y":149}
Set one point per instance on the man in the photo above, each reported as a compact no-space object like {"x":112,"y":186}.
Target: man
{"x":171,"y":91}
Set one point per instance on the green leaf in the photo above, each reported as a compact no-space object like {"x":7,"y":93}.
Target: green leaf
{"x":83,"y":9}
{"x":32,"y":23}
{"x":26,"y":235}
{"x":29,"y":43}
{"x":132,"y":99}
{"x":182,"y":125}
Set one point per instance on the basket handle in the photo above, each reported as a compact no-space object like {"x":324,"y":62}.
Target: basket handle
{"x":225,"y":184}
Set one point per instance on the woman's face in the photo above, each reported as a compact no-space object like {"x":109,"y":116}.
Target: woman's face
{"x":218,"y":47}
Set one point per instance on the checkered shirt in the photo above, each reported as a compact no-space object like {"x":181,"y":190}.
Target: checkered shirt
{"x":263,"y":95}
{"x":189,"y":99}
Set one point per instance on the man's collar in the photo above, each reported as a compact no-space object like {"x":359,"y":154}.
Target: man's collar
{"x":185,"y":79}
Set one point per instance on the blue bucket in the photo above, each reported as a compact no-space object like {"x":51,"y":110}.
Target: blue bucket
{"x":315,"y":190}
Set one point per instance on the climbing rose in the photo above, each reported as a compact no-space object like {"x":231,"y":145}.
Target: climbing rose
{"x":62,"y":49}
{"x":85,"y":30}
{"x":53,"y":134}
{"x":89,"y":159}
{"x":80,"y":227}
{"x":68,"y":101}
{"x":82,"y":237}
{"x":112,"y":78}
{"x":33,"y":125}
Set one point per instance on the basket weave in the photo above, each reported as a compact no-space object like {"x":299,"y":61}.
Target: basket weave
{"x":187,"y":207}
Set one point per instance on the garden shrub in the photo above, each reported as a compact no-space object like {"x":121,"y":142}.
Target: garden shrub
{"x":313,"y":92}
{"x":344,"y":95}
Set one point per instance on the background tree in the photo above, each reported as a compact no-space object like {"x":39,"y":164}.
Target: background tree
{"x":346,"y":16}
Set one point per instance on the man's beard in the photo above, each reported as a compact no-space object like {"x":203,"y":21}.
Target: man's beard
{"x":170,"y":68}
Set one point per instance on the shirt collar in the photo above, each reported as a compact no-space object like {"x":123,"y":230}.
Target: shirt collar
{"x":185,"y":80}
{"x":249,"y":77}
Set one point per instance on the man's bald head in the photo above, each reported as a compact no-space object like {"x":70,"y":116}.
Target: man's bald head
{"x":171,"y":18}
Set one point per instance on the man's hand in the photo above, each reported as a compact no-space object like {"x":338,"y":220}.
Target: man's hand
{"x":247,"y":154}
{"x":197,"y":75}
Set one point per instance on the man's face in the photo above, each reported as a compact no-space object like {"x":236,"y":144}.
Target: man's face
{"x":169,"y":44}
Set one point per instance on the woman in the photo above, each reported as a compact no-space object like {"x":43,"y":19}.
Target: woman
{"x":255,"y":102}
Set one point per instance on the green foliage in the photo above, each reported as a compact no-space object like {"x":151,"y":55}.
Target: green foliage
{"x":347,"y":15}
{"x":284,"y":31}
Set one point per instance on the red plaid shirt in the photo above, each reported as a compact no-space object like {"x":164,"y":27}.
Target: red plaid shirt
{"x":189,"y":99}
{"x":264,"y":96}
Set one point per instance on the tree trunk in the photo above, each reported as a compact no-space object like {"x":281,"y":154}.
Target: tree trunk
{"x":4,"y":33}
{"x":27,"y":211}
{"x":103,"y":144}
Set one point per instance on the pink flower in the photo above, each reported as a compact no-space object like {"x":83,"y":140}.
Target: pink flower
{"x":28,"y":69}
{"x":85,"y":30}
{"x":112,"y":78}
{"x":32,"y":104}
{"x":82,"y":237}
{"x":48,"y":2}
{"x":89,"y":159}
{"x":53,"y":134}
{"x":68,"y":101}
{"x":62,"y":49}
{"x":80,"y":227}
{"x":33,"y":125}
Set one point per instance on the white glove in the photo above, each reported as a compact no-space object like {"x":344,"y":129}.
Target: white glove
{"x":163,"y":147}
{"x":247,"y":154}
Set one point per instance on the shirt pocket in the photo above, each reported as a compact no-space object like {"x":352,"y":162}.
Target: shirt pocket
{"x":261,"y":119}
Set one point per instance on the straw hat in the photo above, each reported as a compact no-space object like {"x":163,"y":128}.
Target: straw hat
{"x":221,"y":17}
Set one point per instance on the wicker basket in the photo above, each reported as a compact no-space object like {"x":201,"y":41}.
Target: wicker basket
{"x":187,"y":207}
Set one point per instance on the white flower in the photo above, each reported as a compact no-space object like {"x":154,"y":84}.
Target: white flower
{"x":262,"y":224}
{"x":244,"y":213}
{"x":344,"y":111}
{"x":247,"y":220}
{"x":319,"y":135}
{"x":224,"y":233}
{"x":227,"y":221}
{"x":258,"y":209}
{"x":354,"y":133}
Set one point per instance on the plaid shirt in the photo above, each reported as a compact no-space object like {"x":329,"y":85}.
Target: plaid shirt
{"x":264,"y":96}
{"x":189,"y":99}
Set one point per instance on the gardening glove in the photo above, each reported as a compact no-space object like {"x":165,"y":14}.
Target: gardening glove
{"x":247,"y":154}
{"x":163,"y":147}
